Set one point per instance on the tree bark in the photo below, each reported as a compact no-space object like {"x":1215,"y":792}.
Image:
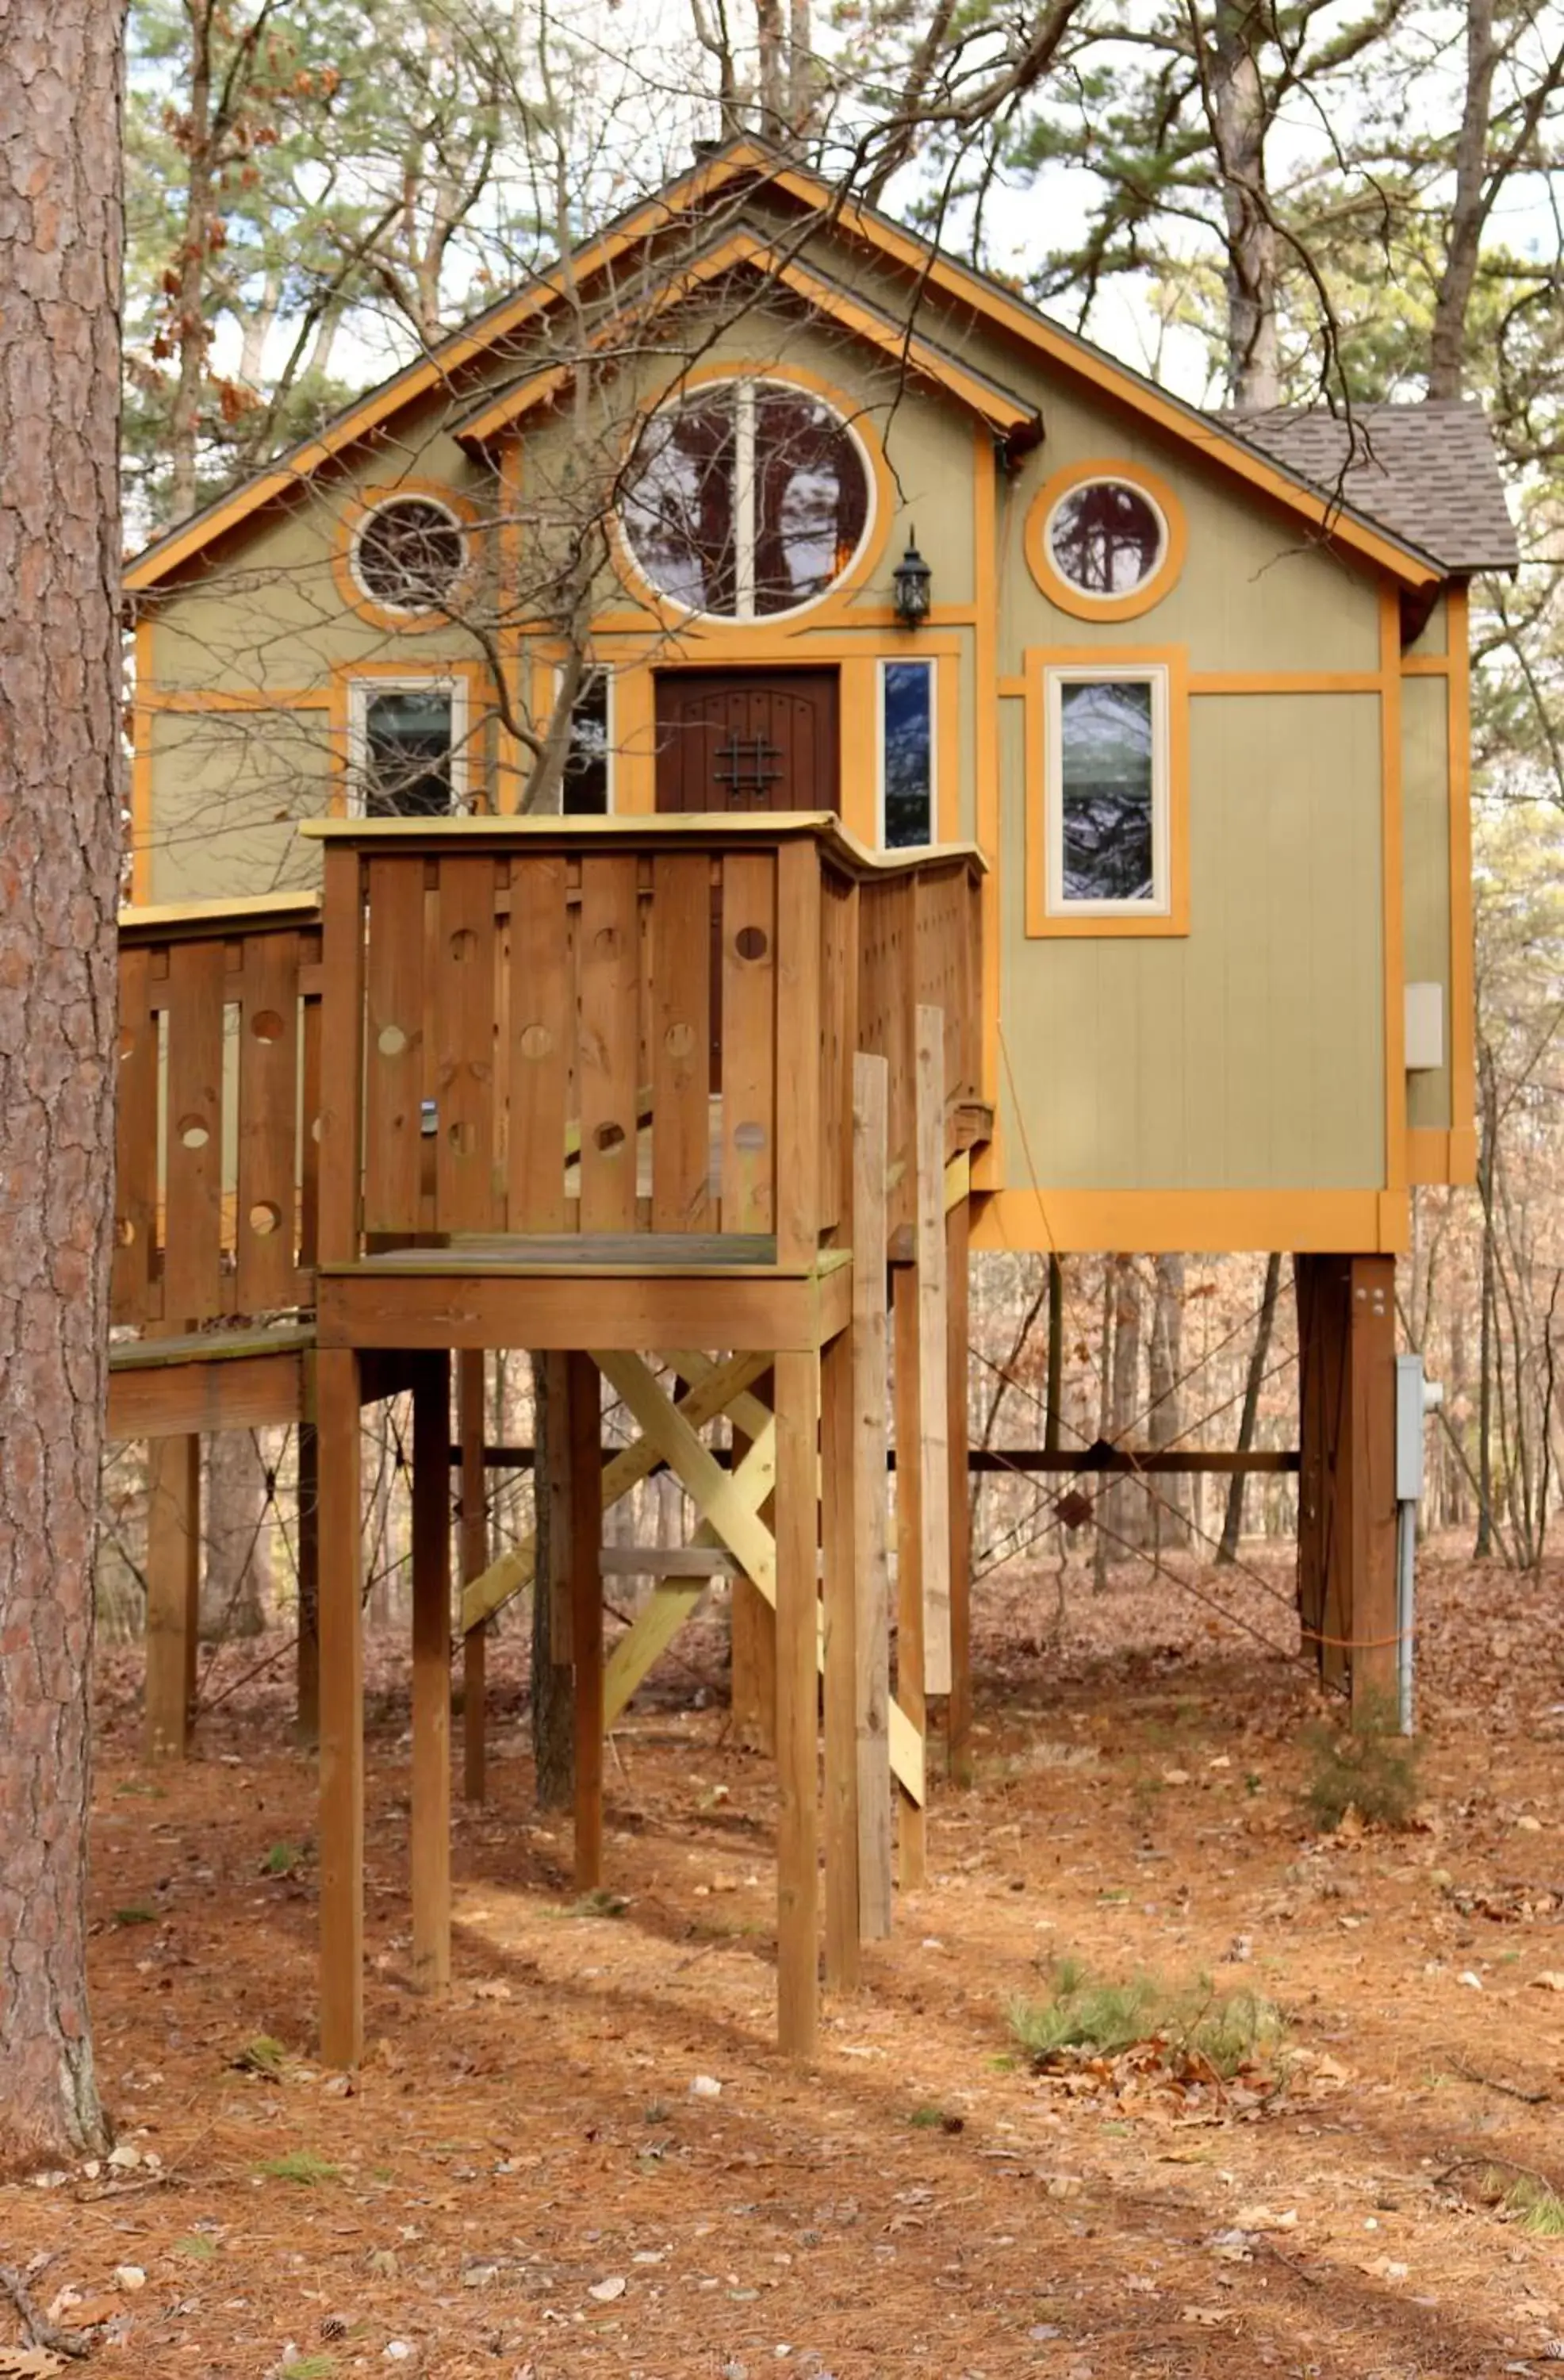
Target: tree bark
{"x":1469,"y":209}
{"x":60,"y":234}
{"x":235,"y":1581}
{"x":1238,"y":110}
{"x":1233,"y":1521}
{"x":1169,"y":1518}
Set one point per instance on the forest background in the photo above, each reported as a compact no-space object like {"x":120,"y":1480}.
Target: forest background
{"x":1328,"y":202}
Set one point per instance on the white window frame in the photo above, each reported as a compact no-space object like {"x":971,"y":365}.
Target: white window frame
{"x":931,"y":670}
{"x":360,"y":692}
{"x":1155,"y":674}
{"x":609,"y":677}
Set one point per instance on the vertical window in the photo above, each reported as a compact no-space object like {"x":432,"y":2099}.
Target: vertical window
{"x":588,"y":787}
{"x":907,"y":753}
{"x":1108,"y":810}
{"x":407,"y":739}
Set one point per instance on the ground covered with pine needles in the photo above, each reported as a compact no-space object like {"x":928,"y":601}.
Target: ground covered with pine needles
{"x":1157,"y":2076}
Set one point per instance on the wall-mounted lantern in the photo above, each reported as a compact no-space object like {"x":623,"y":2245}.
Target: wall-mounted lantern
{"x":912,"y":580}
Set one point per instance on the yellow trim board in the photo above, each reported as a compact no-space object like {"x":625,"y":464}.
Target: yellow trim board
{"x":1463,"y":992}
{"x":1435,"y":1156}
{"x":1349,"y":1223}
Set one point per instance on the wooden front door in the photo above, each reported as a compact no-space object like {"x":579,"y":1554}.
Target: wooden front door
{"x":748,"y":740}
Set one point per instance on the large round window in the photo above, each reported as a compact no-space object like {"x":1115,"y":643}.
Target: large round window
{"x":409,"y":554}
{"x":1107,"y":538}
{"x":746,"y":499}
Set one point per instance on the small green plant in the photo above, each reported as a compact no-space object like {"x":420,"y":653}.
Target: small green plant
{"x":601,"y":1903}
{"x":282,"y":1858}
{"x":936,"y":2119}
{"x":198,"y":2247}
{"x":263,"y":2056}
{"x":1537,"y":2208}
{"x":308,"y":2367}
{"x":1085,"y":2014}
{"x":140,"y":1912}
{"x":299,"y":2165}
{"x":1370,"y":1767}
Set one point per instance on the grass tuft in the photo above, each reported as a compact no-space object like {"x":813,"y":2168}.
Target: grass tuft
{"x":308,"y":2367}
{"x":1535,"y":2207}
{"x":261,"y":2055}
{"x":282,"y":1859}
{"x":140,"y":1912}
{"x":1369,"y":1767}
{"x":299,"y":2165}
{"x":1085,"y":2013}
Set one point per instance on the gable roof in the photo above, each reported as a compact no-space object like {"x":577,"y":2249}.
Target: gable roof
{"x":1428,"y":471}
{"x":1011,"y":416}
{"x":1320,"y":508}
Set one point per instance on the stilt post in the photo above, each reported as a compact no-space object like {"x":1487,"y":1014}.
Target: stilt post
{"x":584,"y":1405}
{"x":839,"y":1483}
{"x":913,"y":1834}
{"x":798,"y":1411}
{"x":307,"y":1719}
{"x":173,"y":1592}
{"x":431,"y":1673}
{"x":341,"y":1711}
{"x":958,"y":1717}
{"x":871,"y":1509}
{"x":475,"y":1561}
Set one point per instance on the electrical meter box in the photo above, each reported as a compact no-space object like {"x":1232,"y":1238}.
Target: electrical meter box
{"x":1414,"y":1398}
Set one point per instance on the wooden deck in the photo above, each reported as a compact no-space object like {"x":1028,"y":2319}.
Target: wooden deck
{"x":604,"y":1089}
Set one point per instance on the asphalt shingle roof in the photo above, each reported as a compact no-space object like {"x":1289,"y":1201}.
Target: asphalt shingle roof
{"x":1428,"y":473}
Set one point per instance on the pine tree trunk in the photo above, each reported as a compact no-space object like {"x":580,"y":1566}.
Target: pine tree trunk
{"x":1169,"y":1523}
{"x":60,"y":231}
{"x":1233,"y":1520}
{"x":235,"y":1581}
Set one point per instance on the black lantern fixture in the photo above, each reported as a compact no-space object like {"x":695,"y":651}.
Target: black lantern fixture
{"x":912,"y":580}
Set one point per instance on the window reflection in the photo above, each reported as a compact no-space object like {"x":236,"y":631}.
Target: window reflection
{"x":907,"y":752}
{"x":1106,"y":538}
{"x":1106,"y":790}
{"x":407,"y":758}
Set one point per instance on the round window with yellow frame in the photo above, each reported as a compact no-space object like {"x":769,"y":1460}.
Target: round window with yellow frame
{"x":1105,"y":540}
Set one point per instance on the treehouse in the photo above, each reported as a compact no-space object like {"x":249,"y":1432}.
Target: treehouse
{"x":760,"y":765}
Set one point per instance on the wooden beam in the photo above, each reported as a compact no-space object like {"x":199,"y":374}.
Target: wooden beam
{"x":958,"y":1716}
{"x":173,"y":1592}
{"x":475,"y":1561}
{"x":707,"y":1483}
{"x":933,"y":1438}
{"x":667,"y":1561}
{"x":195,"y":1396}
{"x":656,"y":1625}
{"x":717,"y":1390}
{"x":555,"y":1308}
{"x":871,"y":1511}
{"x":910,"y":1542}
{"x":431,"y":1676}
{"x":584,"y":1423}
{"x":840,"y":1636}
{"x":1371,"y":1520}
{"x":307,"y":1722}
{"x":342,"y":1711}
{"x":797,"y":1418}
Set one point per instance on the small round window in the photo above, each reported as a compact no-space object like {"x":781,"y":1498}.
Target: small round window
{"x":747,"y":500}
{"x":1106,"y":538}
{"x":409,"y":554}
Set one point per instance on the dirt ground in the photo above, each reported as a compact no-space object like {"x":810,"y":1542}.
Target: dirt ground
{"x":528,"y":2178}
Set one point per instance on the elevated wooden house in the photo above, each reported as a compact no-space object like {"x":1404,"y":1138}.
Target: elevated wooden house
{"x":988,"y":800}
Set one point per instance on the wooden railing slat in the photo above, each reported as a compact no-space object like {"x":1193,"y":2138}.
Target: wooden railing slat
{"x":193,"y":1236}
{"x":609,"y":975}
{"x":681,"y":1043}
{"x":542,"y":1040}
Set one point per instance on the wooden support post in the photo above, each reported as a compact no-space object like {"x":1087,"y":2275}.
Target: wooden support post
{"x":753,"y":1637}
{"x":341,"y":1711}
{"x":475,"y":1561}
{"x":173,"y":1592}
{"x":958,"y":1720}
{"x":871,"y":1506}
{"x":932,"y":1447}
{"x":838,"y":1538}
{"x":584,"y":1406}
{"x":431,"y":1673}
{"x":797,"y":1415}
{"x":913,"y":1835}
{"x":307,"y":1719}
{"x":1346,"y":1486}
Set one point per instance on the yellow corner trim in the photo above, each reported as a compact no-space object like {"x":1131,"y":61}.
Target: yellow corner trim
{"x":1042,"y":923}
{"x":1075,"y":600}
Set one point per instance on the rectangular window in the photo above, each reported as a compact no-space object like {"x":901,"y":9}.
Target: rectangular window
{"x":588,"y":768}
{"x":906,"y":754}
{"x":1108,"y":793}
{"x":406,"y":747}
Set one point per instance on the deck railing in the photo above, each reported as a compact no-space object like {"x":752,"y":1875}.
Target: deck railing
{"x":531,"y":1028}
